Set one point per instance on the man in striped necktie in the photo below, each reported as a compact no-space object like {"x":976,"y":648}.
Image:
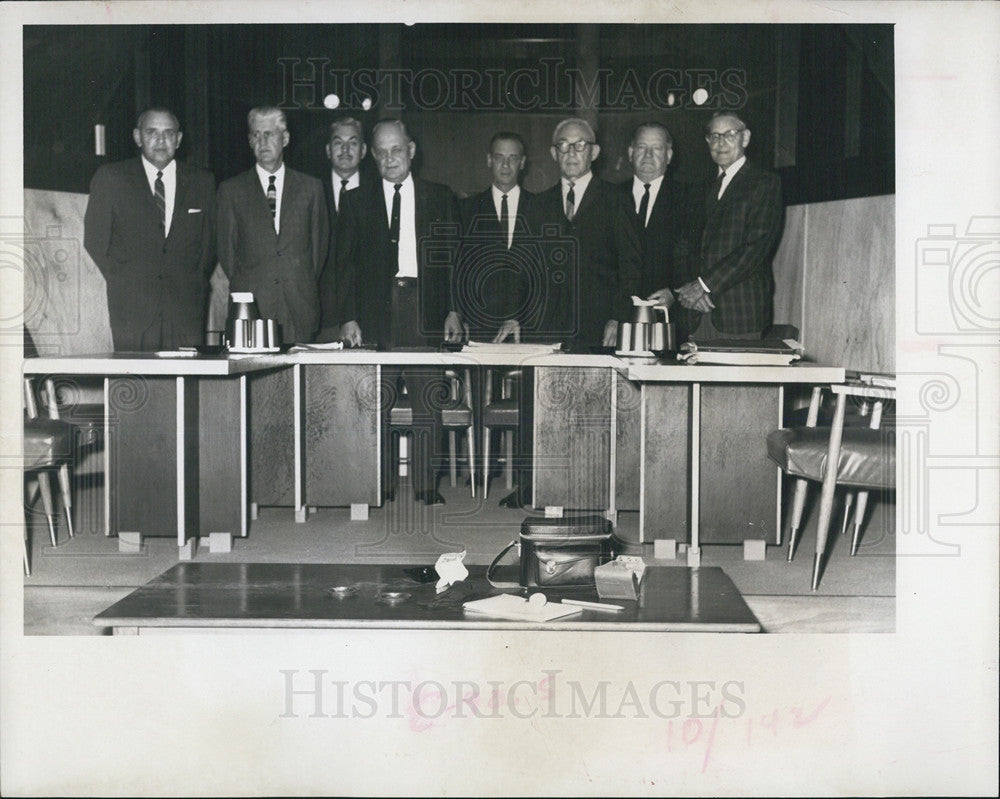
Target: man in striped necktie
{"x":149,"y":227}
{"x":274,"y":231}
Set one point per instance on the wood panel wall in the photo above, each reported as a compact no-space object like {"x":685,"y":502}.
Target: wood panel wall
{"x":835,"y":279}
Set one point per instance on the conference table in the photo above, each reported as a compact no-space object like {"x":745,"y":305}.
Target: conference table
{"x":195,"y":443}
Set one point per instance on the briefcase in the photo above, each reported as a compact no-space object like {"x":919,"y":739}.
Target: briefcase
{"x":558,"y":552}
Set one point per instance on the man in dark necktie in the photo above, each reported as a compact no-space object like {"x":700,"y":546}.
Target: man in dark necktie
{"x":663,"y":216}
{"x":500,"y":268}
{"x":345,"y":149}
{"x":150,"y":228}
{"x":274,"y":231}
{"x":585,"y":304}
{"x":395,"y":244}
{"x":731,"y":293}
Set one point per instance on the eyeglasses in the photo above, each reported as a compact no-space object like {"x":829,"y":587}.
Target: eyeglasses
{"x":728,"y":135}
{"x":575,"y":146}
{"x":266,"y":136}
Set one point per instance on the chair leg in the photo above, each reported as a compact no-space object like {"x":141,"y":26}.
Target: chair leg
{"x":471,"y":436}
{"x":486,"y":462}
{"x":67,"y":496}
{"x":829,"y":486}
{"x":45,"y":488}
{"x":27,"y":565}
{"x":452,"y":460}
{"x":509,"y":438}
{"x":798,"y":506}
{"x":859,"y":517}
{"x":848,"y":501}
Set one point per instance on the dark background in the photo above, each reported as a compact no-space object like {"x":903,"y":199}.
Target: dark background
{"x":817,"y":98}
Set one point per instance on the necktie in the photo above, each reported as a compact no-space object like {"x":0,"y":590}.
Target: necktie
{"x":718,"y":185}
{"x":161,"y":198}
{"x":340,"y":197}
{"x":570,"y":202}
{"x":644,"y":206}
{"x":394,"y":219}
{"x":504,"y":219}
{"x":272,"y":196}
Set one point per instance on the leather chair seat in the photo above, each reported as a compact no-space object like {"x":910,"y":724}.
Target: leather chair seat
{"x":501,"y":413}
{"x":867,"y":457}
{"x":47,"y":442}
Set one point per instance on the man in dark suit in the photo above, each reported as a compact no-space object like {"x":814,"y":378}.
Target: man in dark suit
{"x":662,"y":215}
{"x":605,"y":268}
{"x":274,"y":231}
{"x":345,"y":150}
{"x":733,"y":284}
{"x":149,"y":227}
{"x":500,"y":268}
{"x":395,"y":250}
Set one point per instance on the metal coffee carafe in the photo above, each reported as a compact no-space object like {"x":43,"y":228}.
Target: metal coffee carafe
{"x":644,"y":334}
{"x":243,"y":315}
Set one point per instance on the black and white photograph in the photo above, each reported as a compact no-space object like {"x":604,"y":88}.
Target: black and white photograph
{"x":422,"y":399}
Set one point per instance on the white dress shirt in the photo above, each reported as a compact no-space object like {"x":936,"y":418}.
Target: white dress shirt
{"x":512,"y":197}
{"x":279,"y":188}
{"x":352,"y":183}
{"x":169,"y":188}
{"x":579,"y":187}
{"x":407,"y":224}
{"x":639,"y":188}
{"x":730,"y":171}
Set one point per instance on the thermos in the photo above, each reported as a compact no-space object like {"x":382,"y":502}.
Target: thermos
{"x":645,"y":335}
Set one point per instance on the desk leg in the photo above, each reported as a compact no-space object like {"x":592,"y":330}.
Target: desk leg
{"x":181,"y":427}
{"x":829,"y":486}
{"x":107,"y":457}
{"x":695,"y":472}
{"x":300,"y":509}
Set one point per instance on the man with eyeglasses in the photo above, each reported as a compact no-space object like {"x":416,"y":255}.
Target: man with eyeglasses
{"x":731,"y":293}
{"x":394,"y":288}
{"x":274,"y":231}
{"x":150,"y":228}
{"x":662,"y":214}
{"x":587,"y":303}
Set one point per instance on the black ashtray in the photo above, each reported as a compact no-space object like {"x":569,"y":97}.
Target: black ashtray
{"x":422,"y":574}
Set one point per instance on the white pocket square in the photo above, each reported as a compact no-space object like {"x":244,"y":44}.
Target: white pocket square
{"x":194,"y":210}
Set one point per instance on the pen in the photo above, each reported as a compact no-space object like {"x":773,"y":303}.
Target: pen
{"x":592,"y":605}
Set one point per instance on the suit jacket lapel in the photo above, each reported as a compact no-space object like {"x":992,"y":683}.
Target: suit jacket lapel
{"x":593,"y":188}
{"x":288,"y":191}
{"x":180,"y":194}
{"x":141,"y":184}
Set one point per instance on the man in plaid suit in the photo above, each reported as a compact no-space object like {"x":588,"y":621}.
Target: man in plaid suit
{"x":730,"y":295}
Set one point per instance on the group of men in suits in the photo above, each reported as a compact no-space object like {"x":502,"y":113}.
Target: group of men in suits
{"x":397,"y":261}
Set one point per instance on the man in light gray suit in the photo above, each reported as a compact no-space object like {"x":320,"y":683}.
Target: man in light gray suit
{"x":274,"y":231}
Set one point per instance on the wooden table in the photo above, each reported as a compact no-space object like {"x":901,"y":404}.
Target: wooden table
{"x":682,"y":444}
{"x":175,"y":454}
{"x":733,"y":492}
{"x":296,"y":596}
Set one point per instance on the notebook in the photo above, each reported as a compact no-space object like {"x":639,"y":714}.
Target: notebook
{"x":508,"y":606}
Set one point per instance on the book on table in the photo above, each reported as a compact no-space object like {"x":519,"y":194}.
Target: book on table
{"x":739,"y":352}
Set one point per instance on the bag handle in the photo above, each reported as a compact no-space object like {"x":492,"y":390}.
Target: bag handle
{"x":495,"y":563}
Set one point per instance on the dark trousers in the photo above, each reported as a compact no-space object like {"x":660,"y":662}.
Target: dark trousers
{"x":427,"y":392}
